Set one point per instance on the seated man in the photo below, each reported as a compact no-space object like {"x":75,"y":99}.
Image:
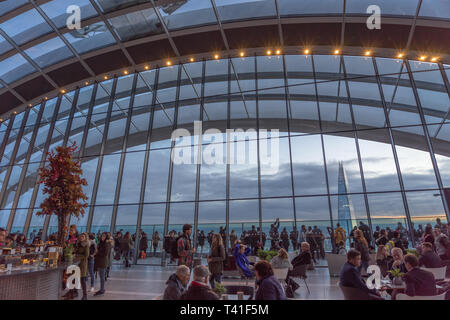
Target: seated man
{"x":177,"y":283}
{"x":199,"y":288}
{"x":418,"y":281}
{"x":299,"y":264}
{"x":240,"y":255}
{"x":429,"y":259}
{"x":351,"y":277}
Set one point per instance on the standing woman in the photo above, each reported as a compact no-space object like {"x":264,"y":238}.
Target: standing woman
{"x":215,"y":259}
{"x":82,"y":253}
{"x":101,"y":260}
{"x":111,"y":254}
{"x":126,"y":244}
{"x":363,"y":247}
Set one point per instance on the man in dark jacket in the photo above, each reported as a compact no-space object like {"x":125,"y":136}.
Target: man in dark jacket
{"x":429,"y":259}
{"x":351,"y":277}
{"x":177,"y":283}
{"x":418,"y":281}
{"x":269,"y":288}
{"x":199,"y":289}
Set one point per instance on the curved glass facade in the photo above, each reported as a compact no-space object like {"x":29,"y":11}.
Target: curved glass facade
{"x":361,"y":135}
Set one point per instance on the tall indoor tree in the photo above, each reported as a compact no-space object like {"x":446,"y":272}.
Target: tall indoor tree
{"x":63,"y":184}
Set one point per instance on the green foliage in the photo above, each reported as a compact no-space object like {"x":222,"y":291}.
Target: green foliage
{"x":396,"y":273}
{"x":266,"y":254}
{"x":219,"y":288}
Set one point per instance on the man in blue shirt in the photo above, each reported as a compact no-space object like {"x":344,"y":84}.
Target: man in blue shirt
{"x":351,"y":277}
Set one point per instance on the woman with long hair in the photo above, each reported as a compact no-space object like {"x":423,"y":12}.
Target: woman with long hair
{"x":101,"y":260}
{"x":363,"y":247}
{"x":126,"y":244}
{"x":215,"y":259}
{"x":281,"y":260}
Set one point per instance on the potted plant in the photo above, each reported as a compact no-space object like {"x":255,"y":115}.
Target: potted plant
{"x":219,"y":289}
{"x":266,"y":254}
{"x":63,"y":185}
{"x":397,"y":276}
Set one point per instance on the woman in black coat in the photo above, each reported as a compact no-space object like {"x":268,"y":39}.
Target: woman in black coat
{"x":101,"y":260}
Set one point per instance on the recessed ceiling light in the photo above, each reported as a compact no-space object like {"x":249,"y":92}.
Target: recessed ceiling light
{"x":434,"y":59}
{"x":169,"y":63}
{"x":125,"y":72}
{"x":63,"y":91}
{"x":368,"y":53}
{"x":278,"y":51}
{"x":306,"y":51}
{"x":105,"y":77}
{"x":191,"y":59}
{"x":336,"y":51}
{"x":242,"y":53}
{"x":146,"y":67}
{"x":216,"y":56}
{"x":269,"y":52}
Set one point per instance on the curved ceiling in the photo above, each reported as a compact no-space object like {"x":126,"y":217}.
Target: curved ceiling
{"x":40,"y":56}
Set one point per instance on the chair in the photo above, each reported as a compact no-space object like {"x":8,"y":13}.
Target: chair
{"x":402,"y":296}
{"x":335,"y":263}
{"x":353,"y":293}
{"x":280,"y":273}
{"x":439,"y":273}
{"x":251,"y":259}
{"x":301,"y":273}
{"x":247,"y":290}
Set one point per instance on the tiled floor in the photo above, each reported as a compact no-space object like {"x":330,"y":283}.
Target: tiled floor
{"x":148,"y":282}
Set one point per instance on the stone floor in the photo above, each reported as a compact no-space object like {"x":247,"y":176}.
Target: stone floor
{"x":143,"y":282}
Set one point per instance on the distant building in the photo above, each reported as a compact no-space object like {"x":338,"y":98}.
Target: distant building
{"x":346,"y":212}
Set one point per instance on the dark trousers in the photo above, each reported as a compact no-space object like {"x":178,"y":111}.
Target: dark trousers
{"x":83,"y":286}
{"x":215,"y":277}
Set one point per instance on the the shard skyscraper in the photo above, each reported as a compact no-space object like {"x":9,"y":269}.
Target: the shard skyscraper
{"x":346,"y":212}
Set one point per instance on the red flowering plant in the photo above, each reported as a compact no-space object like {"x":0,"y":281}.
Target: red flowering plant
{"x":63,"y":185}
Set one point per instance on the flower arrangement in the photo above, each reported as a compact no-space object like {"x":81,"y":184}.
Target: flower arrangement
{"x":396,"y":273}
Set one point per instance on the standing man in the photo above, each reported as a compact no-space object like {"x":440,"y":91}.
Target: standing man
{"x":184,"y":247}
{"x":294,"y":236}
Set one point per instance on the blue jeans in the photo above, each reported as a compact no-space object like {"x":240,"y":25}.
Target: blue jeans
{"x":91,"y":271}
{"x":102,"y":273}
{"x":215,"y":277}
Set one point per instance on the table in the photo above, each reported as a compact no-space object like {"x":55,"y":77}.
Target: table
{"x":235,"y":297}
{"x":32,"y":283}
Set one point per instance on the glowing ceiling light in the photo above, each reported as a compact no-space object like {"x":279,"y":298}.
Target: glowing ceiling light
{"x":278,"y":51}
{"x":30,"y":105}
{"x":336,"y":51}
{"x":169,"y":63}
{"x":242,"y":54}
{"x":63,"y":91}
{"x":125,"y":72}
{"x":368,"y":53}
{"x":86,"y":83}
{"x":422,"y":58}
{"x":269,"y":52}
{"x":306,"y":51}
{"x":15,"y":112}
{"x":216,"y":56}
{"x":434,"y":59}
{"x":105,"y":77}
{"x":191,"y":59}
{"x":400,"y":55}
{"x":146,"y":68}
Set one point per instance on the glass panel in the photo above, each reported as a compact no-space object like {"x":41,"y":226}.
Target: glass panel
{"x":184,"y":175}
{"x":342,"y":164}
{"x":4,"y":45}
{"x":57,"y":11}
{"x":14,"y":68}
{"x":435,"y":8}
{"x":277,"y":208}
{"x":414,"y":159}
{"x":307,"y":165}
{"x":425,"y":207}
{"x":440,"y":138}
{"x":399,"y":8}
{"x":211,"y":216}
{"x":230,"y":10}
{"x":26,"y":27}
{"x":188,"y":13}
{"x":7,"y":6}
{"x":101,"y":220}
{"x":157,"y":176}
{"x":108,"y":179}
{"x":243,"y":166}
{"x":310,"y":7}
{"x":94,"y":36}
{"x":153,"y":225}
{"x":111,"y":5}
{"x":380,"y":173}
{"x":213,"y":171}
{"x":132,"y":176}
{"x":49,"y":52}
{"x":127,"y":218}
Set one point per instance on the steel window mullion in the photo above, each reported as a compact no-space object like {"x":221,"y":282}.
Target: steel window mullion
{"x":363,"y":182}
{"x":199,"y":155}
{"x":394,"y":151}
{"x":12,"y":159}
{"x":71,"y":116}
{"x":428,"y":140}
{"x":146,"y":164}
{"x":123,"y":155}
{"x":227,"y":195}
{"x":25,"y":168}
{"x":170,"y":175}
{"x":446,"y":84}
{"x":323,"y":145}
{"x":288,"y":113}
{"x":6,"y":137}
{"x":257,"y":143}
{"x":43,"y":160}
{"x":101,"y":156}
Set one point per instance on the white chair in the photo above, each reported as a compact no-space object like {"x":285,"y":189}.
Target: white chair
{"x":402,"y":296}
{"x":439,"y":273}
{"x":335,"y":263}
{"x":280,"y":273}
